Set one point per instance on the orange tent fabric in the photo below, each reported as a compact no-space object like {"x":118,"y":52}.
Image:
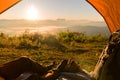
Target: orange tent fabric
{"x":6,"y":4}
{"x":110,"y":10}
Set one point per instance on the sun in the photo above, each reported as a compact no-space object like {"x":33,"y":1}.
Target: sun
{"x":32,"y":13}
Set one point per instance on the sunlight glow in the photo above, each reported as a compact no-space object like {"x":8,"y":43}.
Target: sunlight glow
{"x":32,"y":13}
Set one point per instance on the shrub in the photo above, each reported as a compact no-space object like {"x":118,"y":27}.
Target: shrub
{"x":80,"y":38}
{"x":65,"y":36}
{"x":68,"y":37}
{"x":97,"y":38}
{"x":35,"y":40}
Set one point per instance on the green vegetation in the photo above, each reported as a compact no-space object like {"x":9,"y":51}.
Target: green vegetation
{"x":45,"y":49}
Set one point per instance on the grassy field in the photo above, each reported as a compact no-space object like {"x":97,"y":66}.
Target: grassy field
{"x":45,"y":49}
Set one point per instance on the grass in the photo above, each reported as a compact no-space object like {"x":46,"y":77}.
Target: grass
{"x":46,"y":49}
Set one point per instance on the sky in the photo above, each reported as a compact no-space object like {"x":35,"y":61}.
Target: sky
{"x":52,"y":9}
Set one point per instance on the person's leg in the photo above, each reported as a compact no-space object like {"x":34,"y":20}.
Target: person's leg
{"x":14,"y":68}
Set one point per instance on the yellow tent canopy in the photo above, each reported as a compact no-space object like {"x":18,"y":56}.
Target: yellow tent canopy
{"x":6,"y":4}
{"x":110,"y":10}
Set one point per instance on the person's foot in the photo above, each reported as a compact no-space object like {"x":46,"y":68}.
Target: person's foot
{"x":51,"y":66}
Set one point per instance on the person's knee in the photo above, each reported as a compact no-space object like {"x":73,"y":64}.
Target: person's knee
{"x":24,"y":59}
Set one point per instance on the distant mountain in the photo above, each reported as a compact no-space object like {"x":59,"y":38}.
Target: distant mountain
{"x":85,"y":26}
{"x":90,"y":30}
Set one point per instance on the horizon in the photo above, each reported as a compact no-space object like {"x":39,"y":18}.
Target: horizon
{"x":16,"y":27}
{"x":58,"y":19}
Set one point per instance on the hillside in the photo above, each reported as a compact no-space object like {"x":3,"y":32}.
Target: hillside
{"x":46,"y":49}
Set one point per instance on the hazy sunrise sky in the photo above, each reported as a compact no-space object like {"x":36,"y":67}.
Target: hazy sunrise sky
{"x":52,"y":9}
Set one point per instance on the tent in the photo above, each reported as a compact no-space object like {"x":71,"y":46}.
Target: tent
{"x":6,"y":4}
{"x":110,"y":11}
